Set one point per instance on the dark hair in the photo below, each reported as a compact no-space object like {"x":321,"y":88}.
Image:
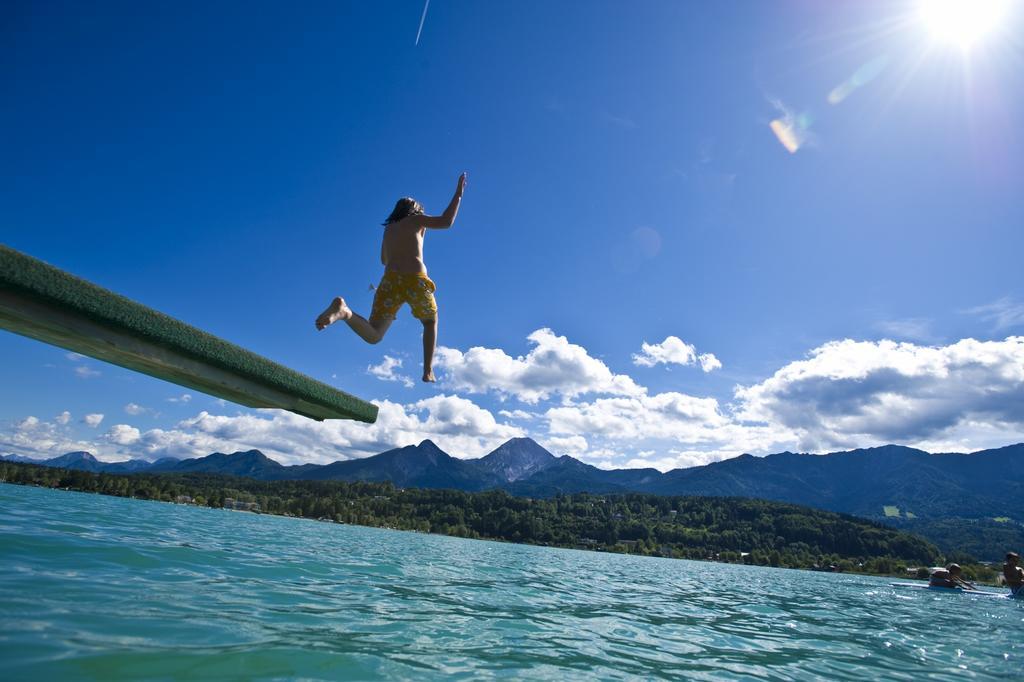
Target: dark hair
{"x":406,"y":206}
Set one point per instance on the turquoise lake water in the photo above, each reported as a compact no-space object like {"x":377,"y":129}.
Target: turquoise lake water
{"x":104,"y":588}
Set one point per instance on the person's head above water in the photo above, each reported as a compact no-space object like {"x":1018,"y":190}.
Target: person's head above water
{"x":954,"y":569}
{"x":406,"y":206}
{"x":1012,"y":557}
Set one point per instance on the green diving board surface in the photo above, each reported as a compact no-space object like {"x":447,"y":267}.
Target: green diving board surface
{"x":45,"y":303}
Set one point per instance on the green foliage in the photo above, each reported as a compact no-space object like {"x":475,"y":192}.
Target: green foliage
{"x":986,"y":539}
{"x":718,"y":528}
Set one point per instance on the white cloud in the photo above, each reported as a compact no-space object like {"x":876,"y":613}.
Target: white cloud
{"x":86,"y":372}
{"x":569,"y":445}
{"x":674,"y":351}
{"x":39,"y":439}
{"x":914,"y":328}
{"x":92,"y":420}
{"x":603,"y":458}
{"x":516,"y":414}
{"x":457,"y":425}
{"x":671,"y":350}
{"x":664,"y":431}
{"x":81,"y":370}
{"x":553,"y":367}
{"x":386,"y":371}
{"x":708,"y":362}
{"x":123,"y":434}
{"x":63,"y":418}
{"x":854,"y":393}
{"x":679,"y":459}
{"x":133,"y":409}
{"x":671,"y":415}
{"x":965,"y":396}
{"x":642,"y":462}
{"x":183,"y":398}
{"x":1003,"y":314}
{"x":455,"y":416}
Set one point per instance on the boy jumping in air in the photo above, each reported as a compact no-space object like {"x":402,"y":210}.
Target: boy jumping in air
{"x":405,"y":277}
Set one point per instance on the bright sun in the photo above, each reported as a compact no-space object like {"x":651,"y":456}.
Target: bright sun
{"x":962,"y":22}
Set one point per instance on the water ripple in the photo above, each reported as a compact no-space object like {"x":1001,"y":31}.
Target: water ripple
{"x":95,"y":587}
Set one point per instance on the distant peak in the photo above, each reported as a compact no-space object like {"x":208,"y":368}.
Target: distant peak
{"x":519,"y":447}
{"x":517,"y":458}
{"x":80,"y":454}
{"x":883,"y":450}
{"x":429,"y":447}
{"x":239,"y":454}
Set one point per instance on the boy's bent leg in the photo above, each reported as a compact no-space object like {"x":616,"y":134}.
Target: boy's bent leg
{"x":372,"y":330}
{"x":429,"y":341}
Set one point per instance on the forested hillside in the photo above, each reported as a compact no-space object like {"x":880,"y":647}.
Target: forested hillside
{"x":728,"y":529}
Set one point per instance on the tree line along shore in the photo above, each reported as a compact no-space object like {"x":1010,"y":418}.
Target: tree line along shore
{"x":734,"y":530}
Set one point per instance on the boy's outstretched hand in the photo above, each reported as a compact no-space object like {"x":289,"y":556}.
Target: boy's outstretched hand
{"x":462,"y":184}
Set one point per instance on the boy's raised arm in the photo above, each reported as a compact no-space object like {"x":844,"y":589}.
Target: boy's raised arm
{"x":447,"y":218}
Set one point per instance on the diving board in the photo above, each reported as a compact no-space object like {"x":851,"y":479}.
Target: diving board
{"x":45,"y":303}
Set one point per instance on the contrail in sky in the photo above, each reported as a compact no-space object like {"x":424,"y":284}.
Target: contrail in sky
{"x":422,"y":19}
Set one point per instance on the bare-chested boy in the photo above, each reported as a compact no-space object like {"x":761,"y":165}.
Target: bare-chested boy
{"x":405,"y":277}
{"x":1013,"y":575}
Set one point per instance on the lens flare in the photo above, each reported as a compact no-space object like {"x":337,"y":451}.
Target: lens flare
{"x":862,"y":76}
{"x":786,"y":134}
{"x":791,"y":129}
{"x":962,"y":22}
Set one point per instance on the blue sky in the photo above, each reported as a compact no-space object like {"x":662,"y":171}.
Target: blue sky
{"x":230,"y":166}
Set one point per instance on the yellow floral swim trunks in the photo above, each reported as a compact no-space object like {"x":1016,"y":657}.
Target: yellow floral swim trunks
{"x":396,"y":288}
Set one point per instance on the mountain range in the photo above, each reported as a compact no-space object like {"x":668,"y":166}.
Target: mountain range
{"x":890,"y":482}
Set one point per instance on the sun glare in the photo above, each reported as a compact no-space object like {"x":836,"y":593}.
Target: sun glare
{"x":962,"y":22}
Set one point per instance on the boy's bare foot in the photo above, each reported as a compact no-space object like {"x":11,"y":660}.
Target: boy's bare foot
{"x":428,"y":377}
{"x":337,"y":310}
